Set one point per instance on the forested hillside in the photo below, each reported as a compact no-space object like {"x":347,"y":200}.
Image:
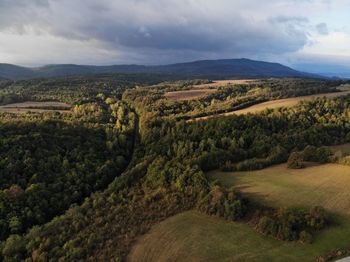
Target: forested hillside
{"x":166,"y":174}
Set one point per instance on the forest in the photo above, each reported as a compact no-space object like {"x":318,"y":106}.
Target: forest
{"x":84,"y":186}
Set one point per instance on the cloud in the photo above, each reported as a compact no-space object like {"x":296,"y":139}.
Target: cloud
{"x":322,"y":29}
{"x":156,"y":31}
{"x":17,"y":15}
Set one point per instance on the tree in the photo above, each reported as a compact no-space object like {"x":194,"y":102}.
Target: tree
{"x":323,"y":154}
{"x":14,"y":248}
{"x":309,"y":153}
{"x":295,"y":160}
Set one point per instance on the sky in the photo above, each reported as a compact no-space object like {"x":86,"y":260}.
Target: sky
{"x":311,"y":34}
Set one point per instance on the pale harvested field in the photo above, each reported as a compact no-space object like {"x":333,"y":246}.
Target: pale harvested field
{"x":345,"y":87}
{"x":324,"y":185}
{"x":200,"y":91}
{"x":19,"y":108}
{"x":288,"y":102}
{"x":189,"y":94}
{"x":218,"y":83}
{"x":37,"y":104}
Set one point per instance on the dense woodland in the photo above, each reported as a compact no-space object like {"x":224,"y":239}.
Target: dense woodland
{"x":48,"y":164}
{"x":91,"y":147}
{"x":74,"y":89}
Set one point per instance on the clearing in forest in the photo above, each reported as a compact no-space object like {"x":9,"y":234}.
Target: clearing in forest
{"x":203,"y":90}
{"x":287,"y":102}
{"x":218,"y":83}
{"x":189,"y":94}
{"x":18,"y":108}
{"x":324,"y":185}
{"x":192,"y":236}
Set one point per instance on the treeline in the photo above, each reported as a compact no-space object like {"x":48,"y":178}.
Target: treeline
{"x":321,"y":155}
{"x":73,"y":90}
{"x":285,"y":224}
{"x":168,"y":86}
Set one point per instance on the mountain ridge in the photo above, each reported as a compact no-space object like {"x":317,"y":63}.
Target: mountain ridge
{"x":219,"y":69}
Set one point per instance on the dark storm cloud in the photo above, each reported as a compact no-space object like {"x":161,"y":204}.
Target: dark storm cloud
{"x":16,"y":14}
{"x":170,"y":28}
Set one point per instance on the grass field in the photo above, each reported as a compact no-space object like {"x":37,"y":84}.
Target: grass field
{"x":189,"y":94}
{"x":196,"y":237}
{"x":19,"y":108}
{"x":324,"y":185}
{"x":192,"y":236}
{"x":288,"y":102}
{"x":345,"y":87}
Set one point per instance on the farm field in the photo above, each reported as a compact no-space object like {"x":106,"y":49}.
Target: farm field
{"x":202,"y":90}
{"x":325,"y":185}
{"x":288,"y":102}
{"x":218,"y":83}
{"x":189,"y":94}
{"x":192,"y":236}
{"x":197,"y":237}
{"x":344,"y":87}
{"x":18,"y":108}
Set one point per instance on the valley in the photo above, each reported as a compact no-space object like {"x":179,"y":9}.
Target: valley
{"x":127,"y":175}
{"x":174,"y":131}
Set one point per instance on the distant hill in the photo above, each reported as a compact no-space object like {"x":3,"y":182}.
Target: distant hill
{"x":231,"y":68}
{"x":8,"y":71}
{"x":213,"y":69}
{"x":328,"y":70}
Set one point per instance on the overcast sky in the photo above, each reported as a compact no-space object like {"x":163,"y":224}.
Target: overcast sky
{"x":36,"y":32}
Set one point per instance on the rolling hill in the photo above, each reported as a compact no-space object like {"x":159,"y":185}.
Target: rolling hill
{"x":213,"y":69}
{"x":8,"y":71}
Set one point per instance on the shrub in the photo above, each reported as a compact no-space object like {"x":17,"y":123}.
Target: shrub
{"x":309,"y":153}
{"x":267,"y":226}
{"x":295,"y":160}
{"x":321,"y":154}
{"x":317,"y":218}
{"x":291,"y":224}
{"x":305,"y":237}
